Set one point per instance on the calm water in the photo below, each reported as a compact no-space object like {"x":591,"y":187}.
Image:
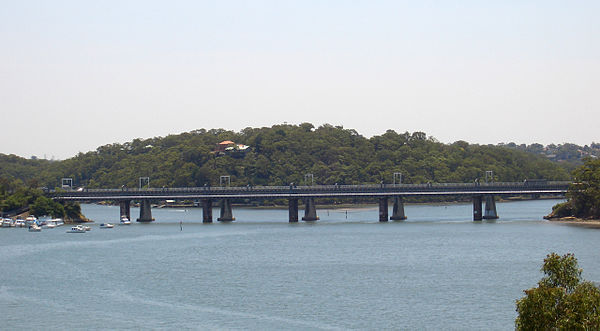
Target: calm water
{"x":437,"y":270}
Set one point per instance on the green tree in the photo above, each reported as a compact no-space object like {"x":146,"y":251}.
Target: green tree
{"x":72,"y":210}
{"x":583,"y":194}
{"x":43,"y":206}
{"x":561,"y":300}
{"x":585,"y":191}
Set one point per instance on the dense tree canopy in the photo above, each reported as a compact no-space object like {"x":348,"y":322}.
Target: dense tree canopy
{"x":584,"y":193}
{"x":283,"y":154}
{"x":567,"y":155}
{"x":561,"y":301}
{"x":17,"y":197}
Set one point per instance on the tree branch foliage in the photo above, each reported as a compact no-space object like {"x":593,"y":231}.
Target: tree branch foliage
{"x":561,"y":300}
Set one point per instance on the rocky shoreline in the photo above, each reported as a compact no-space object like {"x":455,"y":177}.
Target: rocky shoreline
{"x":79,"y":220}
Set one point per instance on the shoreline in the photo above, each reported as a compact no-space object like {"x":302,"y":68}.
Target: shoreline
{"x":574,"y":221}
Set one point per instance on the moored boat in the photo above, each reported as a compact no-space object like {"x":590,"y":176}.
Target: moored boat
{"x":56,"y":222}
{"x":76,"y":229}
{"x":34,"y":228}
{"x":29,"y":222}
{"x":7,"y":223}
{"x":125,"y":221}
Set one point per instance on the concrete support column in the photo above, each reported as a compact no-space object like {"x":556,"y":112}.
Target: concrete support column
{"x":490,"y":208}
{"x":207,"y":216}
{"x":226,"y":214}
{"x":310,"y":211}
{"x":383,"y":209}
{"x":125,"y":209}
{"x":398,"y":210}
{"x":477,"y":215}
{"x":293,"y":210}
{"x":145,"y":212}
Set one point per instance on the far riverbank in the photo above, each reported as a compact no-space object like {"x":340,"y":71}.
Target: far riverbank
{"x":331,"y":205}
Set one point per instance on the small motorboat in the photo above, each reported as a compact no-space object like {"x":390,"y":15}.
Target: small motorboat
{"x":20,"y":223}
{"x":86,"y":227}
{"x":34,"y":228}
{"x":76,"y":229}
{"x":56,"y":222}
{"x":7,"y":223}
{"x":124,"y":220}
{"x":106,"y":226}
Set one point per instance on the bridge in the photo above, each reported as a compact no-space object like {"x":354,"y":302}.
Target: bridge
{"x":479,"y":192}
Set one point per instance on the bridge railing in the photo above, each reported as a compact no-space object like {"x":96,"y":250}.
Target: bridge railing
{"x":321,"y":188}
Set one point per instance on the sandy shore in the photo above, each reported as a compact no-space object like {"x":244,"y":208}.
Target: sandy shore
{"x":589,"y":223}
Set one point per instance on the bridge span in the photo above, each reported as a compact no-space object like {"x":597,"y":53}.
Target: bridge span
{"x":479,"y":192}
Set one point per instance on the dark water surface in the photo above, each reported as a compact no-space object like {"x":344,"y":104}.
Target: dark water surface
{"x":437,"y":270}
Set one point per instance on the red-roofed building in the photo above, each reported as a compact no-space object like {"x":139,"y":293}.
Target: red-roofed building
{"x":223,"y":145}
{"x":229,"y":147}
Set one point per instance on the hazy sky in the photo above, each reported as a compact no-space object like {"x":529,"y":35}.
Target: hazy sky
{"x":75,"y":75}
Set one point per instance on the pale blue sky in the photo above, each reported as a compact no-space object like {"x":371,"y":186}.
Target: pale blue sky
{"x":75,"y":75}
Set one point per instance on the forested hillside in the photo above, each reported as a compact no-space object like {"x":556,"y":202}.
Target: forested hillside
{"x":568,"y":155}
{"x":280,"y":155}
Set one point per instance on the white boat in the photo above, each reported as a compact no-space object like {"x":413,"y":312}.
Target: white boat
{"x":56,"y":222}
{"x":86,"y":227}
{"x":34,"y":228}
{"x":6,"y":223}
{"x":76,"y":229}
{"x":106,"y":226}
{"x":125,"y":220}
{"x":20,"y":223}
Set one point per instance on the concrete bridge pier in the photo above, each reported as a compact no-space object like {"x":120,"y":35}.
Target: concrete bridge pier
{"x":490,"y":212}
{"x":226,"y":214}
{"x":310,"y":211}
{"x":383,"y":209}
{"x":125,"y":209}
{"x":477,"y":215}
{"x":145,"y":212}
{"x":398,"y":210}
{"x":293,"y":210}
{"x":207,"y":211}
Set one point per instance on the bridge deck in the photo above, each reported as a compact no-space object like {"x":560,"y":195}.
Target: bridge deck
{"x":317,"y":191}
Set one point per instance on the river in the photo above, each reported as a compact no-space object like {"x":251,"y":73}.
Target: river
{"x":436,"y":270}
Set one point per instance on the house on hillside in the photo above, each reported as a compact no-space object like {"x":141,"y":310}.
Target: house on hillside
{"x":223,"y":145}
{"x":228,"y":147}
